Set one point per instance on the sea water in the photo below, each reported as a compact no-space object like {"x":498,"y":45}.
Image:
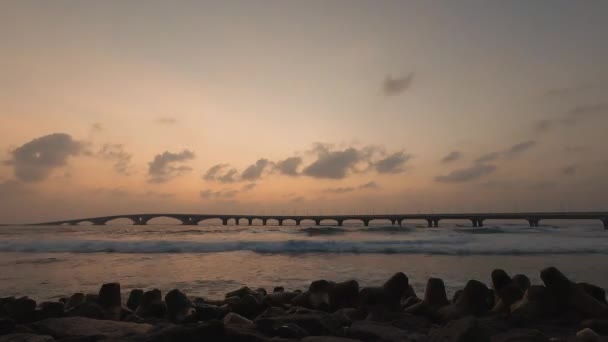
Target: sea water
{"x":46,"y":262}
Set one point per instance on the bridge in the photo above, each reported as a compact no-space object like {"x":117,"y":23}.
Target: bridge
{"x":476,"y":219}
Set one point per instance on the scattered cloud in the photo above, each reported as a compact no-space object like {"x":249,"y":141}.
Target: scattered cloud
{"x":333,"y":164}
{"x":35,"y":160}
{"x":396,"y":85}
{"x":222,"y":173}
{"x":96,"y":127}
{"x":369,"y":185}
{"x":338,"y":190}
{"x":511,"y":152}
{"x":572,"y":117}
{"x":393,"y":163}
{"x":475,"y":171}
{"x":162,"y":168}
{"x":223,"y":194}
{"x":166,"y":121}
{"x":248,"y":187}
{"x":254,"y":172}
{"x":117,"y":154}
{"x":569,"y":170}
{"x":452,"y":157}
{"x":289,"y":166}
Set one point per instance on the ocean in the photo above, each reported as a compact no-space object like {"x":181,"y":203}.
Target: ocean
{"x":47,"y":262}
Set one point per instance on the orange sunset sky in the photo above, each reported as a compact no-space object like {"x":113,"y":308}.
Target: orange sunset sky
{"x":110,"y":107}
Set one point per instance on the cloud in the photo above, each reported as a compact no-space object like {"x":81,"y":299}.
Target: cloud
{"x":224,"y":194}
{"x":248,"y":187}
{"x":289,"y":166}
{"x":569,"y":170}
{"x":511,"y":152}
{"x":298,"y":199}
{"x":35,"y":160}
{"x":369,"y":185}
{"x":96,"y":127}
{"x":332,"y":164}
{"x":117,"y":154}
{"x":473,"y":172}
{"x":572,"y":117}
{"x":254,"y":172}
{"x":222,"y":173}
{"x":452,"y":156}
{"x":396,"y":85}
{"x":393,"y":163}
{"x":166,"y":121}
{"x":162,"y":168}
{"x":338,"y":190}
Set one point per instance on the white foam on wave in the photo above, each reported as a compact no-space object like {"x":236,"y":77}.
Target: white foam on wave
{"x":450,"y":244}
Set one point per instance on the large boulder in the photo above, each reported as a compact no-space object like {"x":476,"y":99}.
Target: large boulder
{"x":50,"y":310}
{"x":110,"y":300}
{"x":24,"y":337}
{"x":472,"y":302}
{"x":134,"y":299}
{"x":536,"y":303}
{"x":74,"y":300}
{"x":7,"y":326}
{"x":67,"y":327}
{"x":22,"y":310}
{"x":435,"y":298}
{"x":88,"y":310}
{"x":151,"y":305}
{"x":315,"y":323}
{"x":466,"y":329}
{"x":208,"y":331}
{"x":343,"y":295}
{"x":373,"y":331}
{"x":594,"y":291}
{"x":179,"y":306}
{"x":318,"y":294}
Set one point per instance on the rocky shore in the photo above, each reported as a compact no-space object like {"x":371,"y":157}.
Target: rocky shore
{"x":511,"y":309}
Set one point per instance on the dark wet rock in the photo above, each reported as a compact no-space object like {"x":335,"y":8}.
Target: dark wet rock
{"x":248,"y":306}
{"x":569,"y":296}
{"x":20,"y":309}
{"x":74,"y":300}
{"x":409,"y":302}
{"x":291,"y":330}
{"x":500,"y":278}
{"x":7,"y":326}
{"x":80,"y":326}
{"x":435,"y":297}
{"x":397,"y":285}
{"x":26,"y":338}
{"x":314,"y":323}
{"x":466,"y":329}
{"x":594,"y":291}
{"x":260,"y":291}
{"x":302,"y":299}
{"x":588,"y":335}
{"x":235,"y":333}
{"x":519,"y":335}
{"x":373,"y":331}
{"x":151,"y":305}
{"x":135,"y":297}
{"x":208,"y":331}
{"x":522,"y":281}
{"x":418,"y":324}
{"x":280,"y":298}
{"x":179,"y":306}
{"x":506,"y":296}
{"x":50,"y":310}
{"x":328,"y":339}
{"x":536,"y":303}
{"x":234,"y":300}
{"x":472,"y":301}
{"x":599,"y":325}
{"x":89,"y":310}
{"x":318,"y":295}
{"x":206,"y":312}
{"x":278,"y":289}
{"x":91,"y":298}
{"x":348,"y":315}
{"x":109,"y":295}
{"x":236,"y":319}
{"x":273,"y":311}
{"x":240,"y":292}
{"x":343,"y":295}
{"x":456,"y":295}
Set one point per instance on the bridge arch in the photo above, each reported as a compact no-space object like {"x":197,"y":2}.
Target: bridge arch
{"x":212,"y":221}
{"x":123,"y":220}
{"x":164,"y":219}
{"x":309,"y":221}
{"x":330,"y":221}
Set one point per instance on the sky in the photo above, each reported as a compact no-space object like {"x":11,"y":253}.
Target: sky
{"x":295,"y":107}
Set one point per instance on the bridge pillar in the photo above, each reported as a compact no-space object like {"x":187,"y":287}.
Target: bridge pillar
{"x":99,"y":223}
{"x":400,"y":222}
{"x":474,"y":222}
{"x":436,"y":223}
{"x":480,"y":222}
{"x":340,"y":223}
{"x":533,"y":222}
{"x":317,"y":222}
{"x":430,"y":222}
{"x":236,"y":221}
{"x":605,"y":222}
{"x":264,"y":221}
{"x":298,"y":222}
{"x":224,"y":222}
{"x":139,"y":221}
{"x":366,"y":223}
{"x":248,"y":222}
{"x":280,"y":222}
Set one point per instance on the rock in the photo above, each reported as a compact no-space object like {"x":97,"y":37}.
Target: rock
{"x":317,"y":323}
{"x":248,"y":306}
{"x":273,"y":312}
{"x":397,"y":285}
{"x":66,"y":327}
{"x":302,"y":300}
{"x":135,"y":297}
{"x":599,"y":325}
{"x":506,"y":296}
{"x":418,"y":324}
{"x":74,"y":300}
{"x":318,"y":294}
{"x":456,"y":295}
{"x":569,"y":296}
{"x":236,"y":333}
{"x":178,"y":306}
{"x":22,"y":310}
{"x":291,"y":330}
{"x":7,"y":326}
{"x":519,"y":335}
{"x":261,"y":292}
{"x":594,"y":291}
{"x":109,"y":295}
{"x":206,"y":312}
{"x":151,"y":305}
{"x":536,"y":303}
{"x":92,"y":298}
{"x":50,"y":310}
{"x":328,"y":339}
{"x":472,"y":301}
{"x":280,"y":298}
{"x":26,"y":338}
{"x":348,"y":315}
{"x":465,"y":329}
{"x":588,"y":335}
{"x":208,"y":331}
{"x":343,"y":295}
{"x":435,"y":295}
{"x":500,"y":278}
{"x":236,"y":319}
{"x":374,"y":331}
{"x":89,"y":310}
{"x":522,"y":281}
{"x":278,"y":289}
{"x":240,"y":292}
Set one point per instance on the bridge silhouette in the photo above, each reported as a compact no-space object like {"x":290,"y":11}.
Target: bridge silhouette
{"x":476,"y":219}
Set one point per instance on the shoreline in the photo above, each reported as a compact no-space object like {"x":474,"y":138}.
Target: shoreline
{"x":510,"y":309}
